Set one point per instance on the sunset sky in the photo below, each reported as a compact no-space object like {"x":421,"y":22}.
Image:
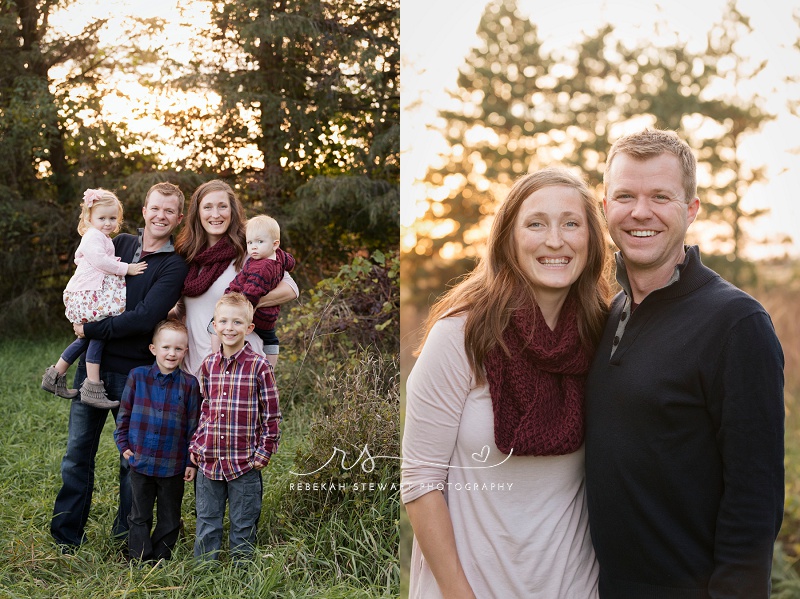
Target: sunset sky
{"x":435,"y":39}
{"x":437,"y":36}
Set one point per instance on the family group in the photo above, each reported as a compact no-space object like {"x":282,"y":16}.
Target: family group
{"x":204,"y":305}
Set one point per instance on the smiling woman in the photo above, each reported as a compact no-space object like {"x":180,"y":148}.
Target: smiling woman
{"x":552,"y":243}
{"x":495,"y":406}
{"x":213,"y":242}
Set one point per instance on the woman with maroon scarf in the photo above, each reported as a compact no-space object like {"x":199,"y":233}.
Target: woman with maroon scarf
{"x":493,"y":462}
{"x":213,"y":243}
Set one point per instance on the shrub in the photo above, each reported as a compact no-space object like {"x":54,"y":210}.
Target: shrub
{"x":358,"y":308}
{"x":343,"y":370}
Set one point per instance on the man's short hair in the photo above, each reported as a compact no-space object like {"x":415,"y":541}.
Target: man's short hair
{"x":651,"y":143}
{"x":238,"y":300}
{"x":264,"y":224}
{"x":170,"y":324}
{"x":166,"y":189}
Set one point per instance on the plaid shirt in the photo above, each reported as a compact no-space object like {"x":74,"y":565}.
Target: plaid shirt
{"x":157,"y":417}
{"x":239,"y":417}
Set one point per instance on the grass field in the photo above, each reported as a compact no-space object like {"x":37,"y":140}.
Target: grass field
{"x":296,"y":557}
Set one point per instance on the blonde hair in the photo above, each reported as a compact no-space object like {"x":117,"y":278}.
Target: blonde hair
{"x":498,"y":285}
{"x":651,"y":143}
{"x":101,"y":197}
{"x":170,"y":324}
{"x":238,"y":300}
{"x":264,"y":224}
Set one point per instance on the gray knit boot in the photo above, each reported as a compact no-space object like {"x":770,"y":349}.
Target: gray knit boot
{"x":94,"y":394}
{"x":56,"y":383}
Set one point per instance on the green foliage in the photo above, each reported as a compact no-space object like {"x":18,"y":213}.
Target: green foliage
{"x":310,"y":89}
{"x":37,"y":238}
{"x":785,"y":578}
{"x":320,"y":76}
{"x":339,"y":361}
{"x":341,"y":205}
{"x":357,"y":308}
{"x":347,"y":472}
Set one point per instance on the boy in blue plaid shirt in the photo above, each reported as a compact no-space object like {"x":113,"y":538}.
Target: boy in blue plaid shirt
{"x":157,"y":417}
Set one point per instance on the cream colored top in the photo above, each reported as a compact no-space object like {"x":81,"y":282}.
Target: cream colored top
{"x":520,"y":522}
{"x":200,"y":311}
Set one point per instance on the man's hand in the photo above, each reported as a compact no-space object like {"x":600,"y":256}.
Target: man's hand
{"x":78,"y":328}
{"x":189,"y":473}
{"x":127,"y":454}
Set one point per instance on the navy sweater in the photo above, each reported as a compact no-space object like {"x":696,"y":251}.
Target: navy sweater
{"x":684,"y":444}
{"x":149,"y":297}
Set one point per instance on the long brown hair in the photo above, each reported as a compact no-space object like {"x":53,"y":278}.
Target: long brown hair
{"x":498,"y":285}
{"x":193,"y":239}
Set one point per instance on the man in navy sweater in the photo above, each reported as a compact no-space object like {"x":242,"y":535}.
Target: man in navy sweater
{"x":149,"y":297}
{"x":684,"y":401}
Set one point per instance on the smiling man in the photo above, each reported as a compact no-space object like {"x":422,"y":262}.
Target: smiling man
{"x":684,"y":418}
{"x":149,"y":297}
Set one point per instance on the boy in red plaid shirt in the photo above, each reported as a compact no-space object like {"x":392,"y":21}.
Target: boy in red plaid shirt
{"x":237,"y":434}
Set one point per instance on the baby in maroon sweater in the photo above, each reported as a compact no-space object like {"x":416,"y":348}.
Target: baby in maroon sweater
{"x":261,"y":274}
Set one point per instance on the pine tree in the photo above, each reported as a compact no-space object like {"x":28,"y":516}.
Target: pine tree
{"x":523,"y":108}
{"x":311,"y":85}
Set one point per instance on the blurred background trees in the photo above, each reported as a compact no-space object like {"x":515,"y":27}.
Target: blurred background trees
{"x":522,"y":105}
{"x":306,"y":127}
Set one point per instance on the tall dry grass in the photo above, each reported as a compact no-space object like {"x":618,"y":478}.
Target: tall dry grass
{"x":782,"y":304}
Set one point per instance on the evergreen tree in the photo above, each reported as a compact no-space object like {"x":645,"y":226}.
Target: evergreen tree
{"x":735,"y":115}
{"x":311,"y":86}
{"x":523,"y":108}
{"x":53,"y":142}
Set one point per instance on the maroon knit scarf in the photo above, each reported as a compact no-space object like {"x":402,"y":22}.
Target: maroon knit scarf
{"x":537,"y":392}
{"x":207,"y":266}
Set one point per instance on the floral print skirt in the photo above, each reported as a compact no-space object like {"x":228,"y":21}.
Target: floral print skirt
{"x":91,"y":305}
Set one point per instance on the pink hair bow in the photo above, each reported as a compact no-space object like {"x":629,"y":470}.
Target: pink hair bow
{"x":89,"y":196}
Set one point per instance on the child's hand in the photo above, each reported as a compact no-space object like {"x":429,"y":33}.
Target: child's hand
{"x":178,"y":311}
{"x":127,"y":454}
{"x":189,"y":473}
{"x":259,"y":463}
{"x":192,"y":459}
{"x":137,"y":269}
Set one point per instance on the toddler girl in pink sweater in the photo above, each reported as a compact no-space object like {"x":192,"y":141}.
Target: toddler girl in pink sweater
{"x":96,"y":291}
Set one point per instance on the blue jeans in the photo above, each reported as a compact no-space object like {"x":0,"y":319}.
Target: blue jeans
{"x":243,"y":495}
{"x":92,"y":347}
{"x":71,"y":510}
